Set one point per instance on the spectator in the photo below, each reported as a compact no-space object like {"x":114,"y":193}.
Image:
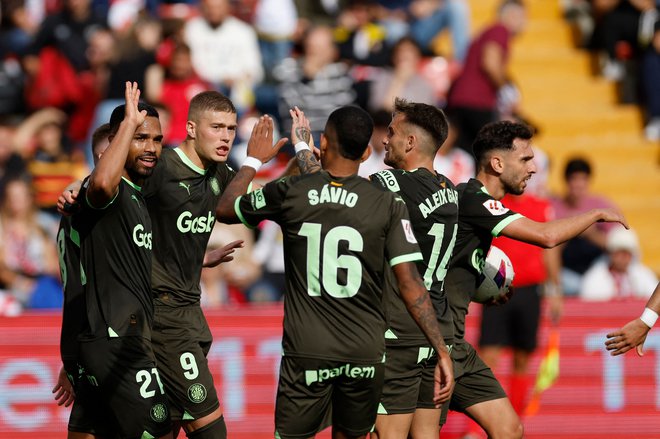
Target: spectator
{"x":174,"y":86}
{"x":43,"y":144}
{"x":472,"y":99}
{"x":28,"y":259}
{"x":225,"y":51}
{"x":316,"y":81}
{"x":403,"y":80}
{"x":454,"y":163}
{"x":314,"y":13}
{"x":361,"y":38}
{"x":376,"y":160}
{"x":275,"y":22}
{"x":621,"y":275}
{"x":12,"y":165}
{"x":651,"y":85}
{"x":579,"y":253}
{"x":430,"y":17}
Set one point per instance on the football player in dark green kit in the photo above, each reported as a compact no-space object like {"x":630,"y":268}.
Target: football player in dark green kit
{"x":340,"y":235}
{"x":113,"y":230}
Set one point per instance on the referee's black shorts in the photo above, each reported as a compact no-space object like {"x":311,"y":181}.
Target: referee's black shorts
{"x":514,"y":324}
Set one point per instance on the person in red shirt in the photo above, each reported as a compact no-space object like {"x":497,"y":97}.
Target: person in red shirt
{"x":472,"y":98}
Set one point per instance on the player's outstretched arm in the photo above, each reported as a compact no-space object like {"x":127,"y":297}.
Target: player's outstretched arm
{"x":301,"y":136}
{"x":213,"y":258}
{"x":63,"y":390}
{"x":552,"y":233}
{"x":260,"y":150}
{"x":419,"y":305}
{"x":105,"y":178}
{"x":633,"y":334}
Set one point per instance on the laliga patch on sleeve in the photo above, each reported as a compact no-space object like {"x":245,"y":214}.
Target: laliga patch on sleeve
{"x":407,"y":229}
{"x":258,"y":199}
{"x":495,"y":207}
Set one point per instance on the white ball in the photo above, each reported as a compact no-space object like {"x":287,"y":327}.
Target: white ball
{"x":495,"y":278}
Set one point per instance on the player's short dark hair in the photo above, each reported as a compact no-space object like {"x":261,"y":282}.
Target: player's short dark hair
{"x":498,"y":135}
{"x":100,"y":134}
{"x":576,"y":165}
{"x":118,"y":115}
{"x":429,"y":118}
{"x":209,"y":101}
{"x":351,"y":128}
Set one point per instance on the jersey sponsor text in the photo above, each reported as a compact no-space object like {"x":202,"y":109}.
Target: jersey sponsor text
{"x":202,"y":224}
{"x":318,"y":376}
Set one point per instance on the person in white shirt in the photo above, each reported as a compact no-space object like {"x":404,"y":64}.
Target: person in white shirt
{"x":620,"y":275}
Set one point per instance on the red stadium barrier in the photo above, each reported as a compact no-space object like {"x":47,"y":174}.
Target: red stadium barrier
{"x":596,"y":396}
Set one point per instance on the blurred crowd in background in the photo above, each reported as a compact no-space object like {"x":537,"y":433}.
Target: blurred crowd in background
{"x":63,"y":64}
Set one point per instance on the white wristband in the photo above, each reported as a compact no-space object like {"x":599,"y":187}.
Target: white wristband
{"x":252,"y":163}
{"x":649,"y":317}
{"x":301,"y":146}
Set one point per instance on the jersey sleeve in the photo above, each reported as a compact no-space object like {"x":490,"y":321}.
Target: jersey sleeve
{"x":485,"y":212}
{"x":385,"y":179}
{"x":263,"y":203}
{"x":400,"y":243}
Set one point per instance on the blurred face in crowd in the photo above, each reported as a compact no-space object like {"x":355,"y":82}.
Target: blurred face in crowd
{"x":514,"y":17}
{"x":101,"y":48}
{"x":406,"y":54}
{"x":214,"y":133}
{"x":18,"y":202}
{"x":620,"y":260}
{"x":49,"y":139}
{"x":320,"y":45}
{"x":578,"y":185}
{"x":180,"y":64}
{"x":215,"y":11}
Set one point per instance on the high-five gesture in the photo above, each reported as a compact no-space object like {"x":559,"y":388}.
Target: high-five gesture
{"x":260,"y":145}
{"x":132,"y":114}
{"x":300,"y":128}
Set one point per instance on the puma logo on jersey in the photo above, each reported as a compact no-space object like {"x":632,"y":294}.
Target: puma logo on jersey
{"x":134,"y":198}
{"x":185,"y":186}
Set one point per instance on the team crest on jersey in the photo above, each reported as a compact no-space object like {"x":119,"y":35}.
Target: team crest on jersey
{"x":197,"y":393}
{"x":159,"y":412}
{"x":407,"y":229}
{"x":495,"y":207}
{"x":215,"y":186}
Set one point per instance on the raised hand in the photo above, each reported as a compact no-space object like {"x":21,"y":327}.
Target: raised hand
{"x":260,"y":145}
{"x":301,"y":130}
{"x":132,"y":114}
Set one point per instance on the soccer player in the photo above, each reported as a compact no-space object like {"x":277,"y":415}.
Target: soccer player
{"x":114,"y":232}
{"x":503,"y":154}
{"x":181,"y":196}
{"x":339,"y":232}
{"x":413,"y":138}
{"x":633,"y":334}
{"x":74,"y":307}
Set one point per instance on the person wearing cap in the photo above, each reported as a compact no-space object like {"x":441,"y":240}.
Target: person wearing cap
{"x":621,"y":275}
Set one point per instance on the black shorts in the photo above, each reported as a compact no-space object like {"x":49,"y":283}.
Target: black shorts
{"x":120,"y":390}
{"x":514,"y":324}
{"x":475,"y":381}
{"x":181,"y":340}
{"x":409,"y":379}
{"x":313,"y":394}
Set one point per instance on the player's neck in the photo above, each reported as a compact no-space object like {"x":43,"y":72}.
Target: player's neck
{"x":492,"y":184}
{"x":136,"y":179}
{"x":418,"y":163}
{"x":188,"y":148}
{"x":341,"y":167}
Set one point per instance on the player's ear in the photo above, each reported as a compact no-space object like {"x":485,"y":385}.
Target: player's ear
{"x":191,"y":129}
{"x":497,"y":163}
{"x":366,"y":154}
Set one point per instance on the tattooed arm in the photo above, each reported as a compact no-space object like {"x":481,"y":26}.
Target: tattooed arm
{"x":301,"y":132}
{"x":418,"y":302}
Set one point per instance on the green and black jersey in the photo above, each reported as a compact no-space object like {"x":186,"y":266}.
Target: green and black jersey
{"x":181,"y":198}
{"x":480,"y":219}
{"x":115,"y":256}
{"x":432,"y":203}
{"x":338,"y":234}
{"x":74,"y":313}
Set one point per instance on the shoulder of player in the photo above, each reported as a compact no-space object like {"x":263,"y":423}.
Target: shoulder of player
{"x":390,"y":179}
